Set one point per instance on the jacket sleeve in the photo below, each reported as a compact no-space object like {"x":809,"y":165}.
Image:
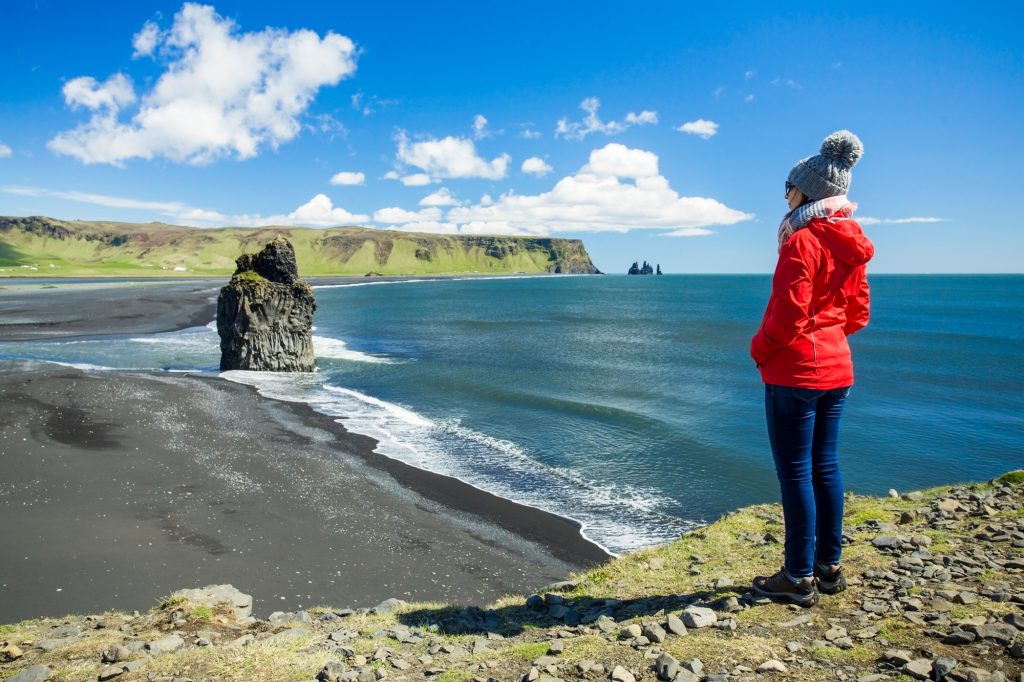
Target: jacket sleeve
{"x":792,"y":291}
{"x":858,"y":305}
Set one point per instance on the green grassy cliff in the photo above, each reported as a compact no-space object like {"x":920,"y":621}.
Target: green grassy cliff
{"x":39,"y":246}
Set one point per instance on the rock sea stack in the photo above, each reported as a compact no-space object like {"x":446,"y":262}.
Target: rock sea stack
{"x":265,"y":314}
{"x":646,"y":269}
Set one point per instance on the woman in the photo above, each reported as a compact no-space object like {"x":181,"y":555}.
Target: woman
{"x":819,"y":297}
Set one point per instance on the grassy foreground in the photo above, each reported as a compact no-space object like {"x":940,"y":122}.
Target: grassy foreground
{"x":974,"y":531}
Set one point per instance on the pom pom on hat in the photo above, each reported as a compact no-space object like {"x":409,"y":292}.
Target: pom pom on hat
{"x":844,"y":147}
{"x":828,"y":173}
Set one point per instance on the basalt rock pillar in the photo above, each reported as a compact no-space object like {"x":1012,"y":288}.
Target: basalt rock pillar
{"x":265,"y":314}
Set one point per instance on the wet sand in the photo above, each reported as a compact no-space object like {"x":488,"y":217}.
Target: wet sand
{"x":120,"y":487}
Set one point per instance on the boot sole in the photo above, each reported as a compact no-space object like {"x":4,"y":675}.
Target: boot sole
{"x":804,"y":600}
{"x":826,"y":587}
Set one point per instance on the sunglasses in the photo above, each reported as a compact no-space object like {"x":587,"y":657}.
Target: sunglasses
{"x":789,"y":186}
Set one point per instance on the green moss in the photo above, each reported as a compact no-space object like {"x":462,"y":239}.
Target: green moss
{"x":455,"y":675}
{"x":527,"y":651}
{"x":1014,"y":478}
{"x":202,"y":612}
{"x":859,"y":654}
{"x":250,"y":276}
{"x":896,"y":631}
{"x":865,"y":510}
{"x":170,"y":602}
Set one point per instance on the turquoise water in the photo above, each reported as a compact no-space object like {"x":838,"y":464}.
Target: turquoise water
{"x":630,"y":403}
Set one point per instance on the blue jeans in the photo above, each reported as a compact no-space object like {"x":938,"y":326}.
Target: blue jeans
{"x":803,"y":428}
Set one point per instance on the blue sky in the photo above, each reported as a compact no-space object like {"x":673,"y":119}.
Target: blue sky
{"x":663,"y":132}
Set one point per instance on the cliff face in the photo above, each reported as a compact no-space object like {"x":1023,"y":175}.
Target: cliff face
{"x":81,"y":248}
{"x":265,"y":314}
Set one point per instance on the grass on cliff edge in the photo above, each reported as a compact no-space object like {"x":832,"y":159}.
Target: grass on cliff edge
{"x":729,"y":547}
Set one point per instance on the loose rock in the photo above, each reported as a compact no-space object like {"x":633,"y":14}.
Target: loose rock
{"x":165,"y":645}
{"x":772,"y":666}
{"x":37,"y":673}
{"x":666,"y":667}
{"x":675,"y":625}
{"x":698,"y":617}
{"x":213,"y":595}
{"x":620,"y":674}
{"x":919,"y":669}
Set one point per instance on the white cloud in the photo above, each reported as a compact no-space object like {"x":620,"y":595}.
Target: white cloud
{"x":411,"y":180}
{"x":719,"y":91}
{"x":317,"y":212}
{"x":4,"y":150}
{"x":749,"y":98}
{"x":599,"y":198}
{"x":368,"y":105}
{"x":643,"y":118}
{"x":749,"y":74}
{"x":898,"y":221}
{"x":619,"y":161}
{"x":442,"y":197}
{"x":146,"y":40}
{"x":348,"y":178}
{"x":170,"y":208}
{"x":223,"y":93}
{"x":432,"y":226}
{"x":529,"y":133}
{"x":326,"y":124}
{"x":486,"y":200}
{"x":114,"y":93}
{"x":396,"y":215}
{"x":788,"y":82}
{"x":416,"y":180}
{"x":450,"y":157}
{"x":592,"y":123}
{"x":701,"y":128}
{"x":497,"y":227}
{"x":688,"y":232}
{"x":480,"y":130}
{"x":535,"y":166}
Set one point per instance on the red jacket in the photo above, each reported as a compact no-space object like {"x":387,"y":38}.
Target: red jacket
{"x":819,"y":297}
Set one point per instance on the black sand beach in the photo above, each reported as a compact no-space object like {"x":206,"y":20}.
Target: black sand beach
{"x":59,"y":309}
{"x":120,"y":487}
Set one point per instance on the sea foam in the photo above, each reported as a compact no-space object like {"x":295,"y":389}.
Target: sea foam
{"x":618,"y":518}
{"x":336,"y":349}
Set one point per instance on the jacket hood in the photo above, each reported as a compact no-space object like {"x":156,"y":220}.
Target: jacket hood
{"x":844,"y":238}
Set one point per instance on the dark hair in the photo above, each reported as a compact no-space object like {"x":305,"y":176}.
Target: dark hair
{"x":806,"y":200}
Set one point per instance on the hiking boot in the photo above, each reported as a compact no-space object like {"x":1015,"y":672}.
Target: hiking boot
{"x":830,"y":579}
{"x":803,"y":592}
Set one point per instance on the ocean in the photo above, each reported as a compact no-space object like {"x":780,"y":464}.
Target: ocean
{"x":630,"y":404}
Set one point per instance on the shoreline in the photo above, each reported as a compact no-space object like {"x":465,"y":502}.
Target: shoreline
{"x":545,"y":528}
{"x":491,"y":546}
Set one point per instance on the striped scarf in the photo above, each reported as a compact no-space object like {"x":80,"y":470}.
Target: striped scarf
{"x":822,"y":208}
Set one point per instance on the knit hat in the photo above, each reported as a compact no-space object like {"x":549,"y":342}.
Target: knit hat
{"x":828,"y":174}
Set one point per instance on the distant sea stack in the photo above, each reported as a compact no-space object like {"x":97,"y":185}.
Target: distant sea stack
{"x":646,"y":269}
{"x":265,"y":314}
